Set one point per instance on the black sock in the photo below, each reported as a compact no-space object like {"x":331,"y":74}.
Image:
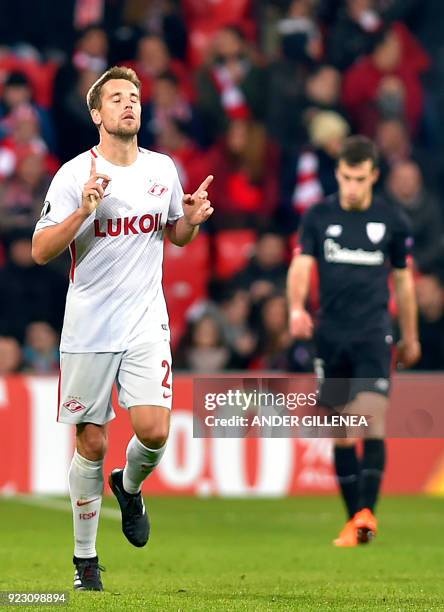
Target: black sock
{"x":372,"y":470}
{"x":347,"y":472}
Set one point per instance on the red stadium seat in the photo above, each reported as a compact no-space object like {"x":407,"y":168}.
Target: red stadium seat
{"x":233,"y":250}
{"x":186,"y":272}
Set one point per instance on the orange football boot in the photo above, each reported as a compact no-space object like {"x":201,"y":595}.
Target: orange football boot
{"x":348,"y":535}
{"x":366,"y":525}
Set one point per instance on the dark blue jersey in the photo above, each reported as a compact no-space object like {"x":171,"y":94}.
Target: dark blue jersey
{"x":355,"y":251}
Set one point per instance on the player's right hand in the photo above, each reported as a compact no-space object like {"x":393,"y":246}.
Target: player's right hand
{"x":301,"y":324}
{"x":93,"y":191}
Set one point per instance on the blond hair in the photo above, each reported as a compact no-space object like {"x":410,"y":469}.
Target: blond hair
{"x":94,"y":95}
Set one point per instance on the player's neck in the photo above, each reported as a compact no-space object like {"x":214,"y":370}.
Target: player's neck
{"x":361,"y":206}
{"x":117,"y":151}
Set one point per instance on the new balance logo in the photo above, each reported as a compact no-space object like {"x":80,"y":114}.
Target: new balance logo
{"x":128,"y":225}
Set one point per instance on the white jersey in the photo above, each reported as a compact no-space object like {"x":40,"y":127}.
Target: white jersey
{"x":115,"y":298}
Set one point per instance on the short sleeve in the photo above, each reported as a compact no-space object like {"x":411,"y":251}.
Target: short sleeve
{"x":62,"y":199}
{"x":401,"y":243}
{"x":175,"y":210}
{"x":309,"y":242}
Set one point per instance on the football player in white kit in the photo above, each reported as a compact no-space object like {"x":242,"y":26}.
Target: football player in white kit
{"x":111,"y":206}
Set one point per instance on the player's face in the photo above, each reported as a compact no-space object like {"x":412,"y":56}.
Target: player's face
{"x":356,"y":183}
{"x":119,"y":114}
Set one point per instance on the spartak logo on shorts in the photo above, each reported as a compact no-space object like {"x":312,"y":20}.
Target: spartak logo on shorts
{"x":74,"y":405}
{"x":157,"y":190}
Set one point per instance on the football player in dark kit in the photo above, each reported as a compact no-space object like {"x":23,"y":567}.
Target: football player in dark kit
{"x":356,"y":239}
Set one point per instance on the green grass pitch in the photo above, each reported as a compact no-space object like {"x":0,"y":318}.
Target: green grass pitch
{"x":228,"y":554}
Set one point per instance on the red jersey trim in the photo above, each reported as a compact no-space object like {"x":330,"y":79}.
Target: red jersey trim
{"x":93,"y":153}
{"x":73,"y":252}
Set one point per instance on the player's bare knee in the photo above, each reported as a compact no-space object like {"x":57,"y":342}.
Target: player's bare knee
{"x":91,"y":441}
{"x":154,"y":436}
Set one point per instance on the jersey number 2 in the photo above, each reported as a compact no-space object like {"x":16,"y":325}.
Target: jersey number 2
{"x":165,"y":382}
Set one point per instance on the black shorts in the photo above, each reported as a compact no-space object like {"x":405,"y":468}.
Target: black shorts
{"x":346,"y":367}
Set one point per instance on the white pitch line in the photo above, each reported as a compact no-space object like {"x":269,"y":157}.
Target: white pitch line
{"x":56,"y":504}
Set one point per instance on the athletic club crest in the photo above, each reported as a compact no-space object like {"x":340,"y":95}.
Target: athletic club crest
{"x":376,"y":232}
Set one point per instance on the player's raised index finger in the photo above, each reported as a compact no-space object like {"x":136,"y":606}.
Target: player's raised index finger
{"x":206,"y":183}
{"x":93,"y":166}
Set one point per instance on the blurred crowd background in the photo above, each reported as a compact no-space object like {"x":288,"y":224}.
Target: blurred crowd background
{"x":259,"y":93}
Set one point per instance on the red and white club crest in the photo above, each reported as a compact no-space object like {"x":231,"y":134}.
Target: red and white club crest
{"x":157,"y":190}
{"x":73,"y":405}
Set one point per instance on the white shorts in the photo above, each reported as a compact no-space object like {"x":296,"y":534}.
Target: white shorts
{"x":142,"y":375}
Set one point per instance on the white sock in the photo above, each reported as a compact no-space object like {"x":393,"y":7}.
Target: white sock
{"x":140,"y":462}
{"x":85,"y":488}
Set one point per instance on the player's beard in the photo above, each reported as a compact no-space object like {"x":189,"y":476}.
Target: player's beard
{"x":122,"y":132}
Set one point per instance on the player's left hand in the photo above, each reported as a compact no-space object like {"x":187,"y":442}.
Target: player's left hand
{"x":408,"y":352}
{"x":197,"y":207}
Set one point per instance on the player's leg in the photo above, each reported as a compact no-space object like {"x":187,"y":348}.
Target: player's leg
{"x":145,"y":388}
{"x":86,"y":488}
{"x":85,"y":400}
{"x":333,"y":369}
{"x":370,"y":390}
{"x":151,"y":425}
{"x":347,"y":468}
{"x":143,"y":454}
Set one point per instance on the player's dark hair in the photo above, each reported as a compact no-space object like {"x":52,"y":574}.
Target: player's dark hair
{"x":94,"y":95}
{"x":359,"y":149}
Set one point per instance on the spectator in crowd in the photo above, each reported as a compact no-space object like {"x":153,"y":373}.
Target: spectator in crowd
{"x":354,"y":34}
{"x":23,"y":139}
{"x":387,"y":83}
{"x":301,"y":52}
{"x":17,"y":92}
{"x":153,"y":59}
{"x":202,"y":348}
{"x":274,"y":336}
{"x":300,"y":32}
{"x":191,"y":162}
{"x":232,"y":84}
{"x":10,"y":356}
{"x":22,"y":194}
{"x":76,"y":132}
{"x":245,"y":188}
{"x":163,"y":18}
{"x":323,"y":92}
{"x":405,"y":186}
{"x":395,"y":144}
{"x":309,"y":175}
{"x":36,"y":293}
{"x":430,"y":296}
{"x":40,"y":353}
{"x":320,"y":91}
{"x":167,"y":104}
{"x":79,"y":133}
{"x":267,"y":269}
{"x":235,"y":310}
